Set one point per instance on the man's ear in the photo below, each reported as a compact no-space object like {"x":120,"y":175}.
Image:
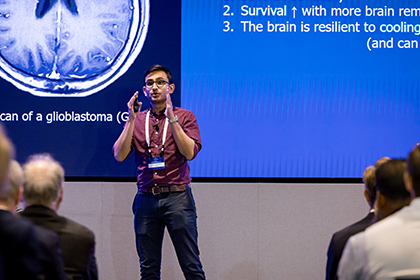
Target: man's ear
{"x":59,"y":199}
{"x":408,"y":182}
{"x":19,"y":197}
{"x":380,"y":202}
{"x":171,"y":88}
{"x":366,"y":194}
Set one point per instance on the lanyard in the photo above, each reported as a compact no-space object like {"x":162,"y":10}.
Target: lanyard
{"x":146,"y":129}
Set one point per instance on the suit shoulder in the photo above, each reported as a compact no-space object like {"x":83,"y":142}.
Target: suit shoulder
{"x":46,"y":235}
{"x":15,"y":225}
{"x":77,"y":228}
{"x":354,"y":228}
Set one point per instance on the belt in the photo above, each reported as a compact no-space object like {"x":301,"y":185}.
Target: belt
{"x":163,"y":189}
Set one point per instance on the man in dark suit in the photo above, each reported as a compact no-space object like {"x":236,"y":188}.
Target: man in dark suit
{"x":339,"y":238}
{"x":43,"y":193}
{"x":49,"y":253}
{"x":18,"y":245}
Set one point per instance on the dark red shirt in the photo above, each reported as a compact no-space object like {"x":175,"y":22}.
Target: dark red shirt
{"x":177,"y":170}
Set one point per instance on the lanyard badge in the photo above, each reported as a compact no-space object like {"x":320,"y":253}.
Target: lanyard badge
{"x":154,"y":163}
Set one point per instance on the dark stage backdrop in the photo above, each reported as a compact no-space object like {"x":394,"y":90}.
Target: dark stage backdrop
{"x":280,"y":88}
{"x":79,"y":127}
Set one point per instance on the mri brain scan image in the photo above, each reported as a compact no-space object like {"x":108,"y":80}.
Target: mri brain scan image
{"x":69,"y":48}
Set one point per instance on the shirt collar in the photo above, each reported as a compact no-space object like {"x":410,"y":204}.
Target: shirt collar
{"x":157,"y":115}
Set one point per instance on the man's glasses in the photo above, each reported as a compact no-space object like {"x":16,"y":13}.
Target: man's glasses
{"x":159,"y":83}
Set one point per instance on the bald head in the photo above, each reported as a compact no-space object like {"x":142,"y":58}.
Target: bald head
{"x":43,"y":178}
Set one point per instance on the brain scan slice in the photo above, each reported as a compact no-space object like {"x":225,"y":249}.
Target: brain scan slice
{"x":69,"y":47}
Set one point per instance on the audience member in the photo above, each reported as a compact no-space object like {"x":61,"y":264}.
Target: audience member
{"x":392,"y":244}
{"x":339,"y":238}
{"x":52,"y":267}
{"x":391,"y":194}
{"x":18,"y":244}
{"x":43,"y":193}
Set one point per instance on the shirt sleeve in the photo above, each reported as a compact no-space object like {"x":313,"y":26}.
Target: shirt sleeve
{"x":190,"y":126}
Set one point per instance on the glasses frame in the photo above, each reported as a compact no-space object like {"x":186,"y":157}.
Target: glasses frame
{"x":156,"y":82}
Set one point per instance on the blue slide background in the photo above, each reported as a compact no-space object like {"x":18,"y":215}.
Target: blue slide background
{"x":269,"y":104}
{"x":297,"y":104}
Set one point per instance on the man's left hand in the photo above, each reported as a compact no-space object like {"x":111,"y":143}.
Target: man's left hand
{"x":169,"y":112}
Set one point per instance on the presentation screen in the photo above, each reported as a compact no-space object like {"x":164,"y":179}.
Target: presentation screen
{"x":280,"y":88}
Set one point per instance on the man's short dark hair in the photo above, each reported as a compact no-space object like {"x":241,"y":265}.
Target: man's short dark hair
{"x":156,"y":68}
{"x":413,"y":168}
{"x":390,"y":179}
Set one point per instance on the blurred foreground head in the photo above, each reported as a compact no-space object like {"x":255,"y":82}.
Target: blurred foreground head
{"x":6,"y":153}
{"x":11,"y":196}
